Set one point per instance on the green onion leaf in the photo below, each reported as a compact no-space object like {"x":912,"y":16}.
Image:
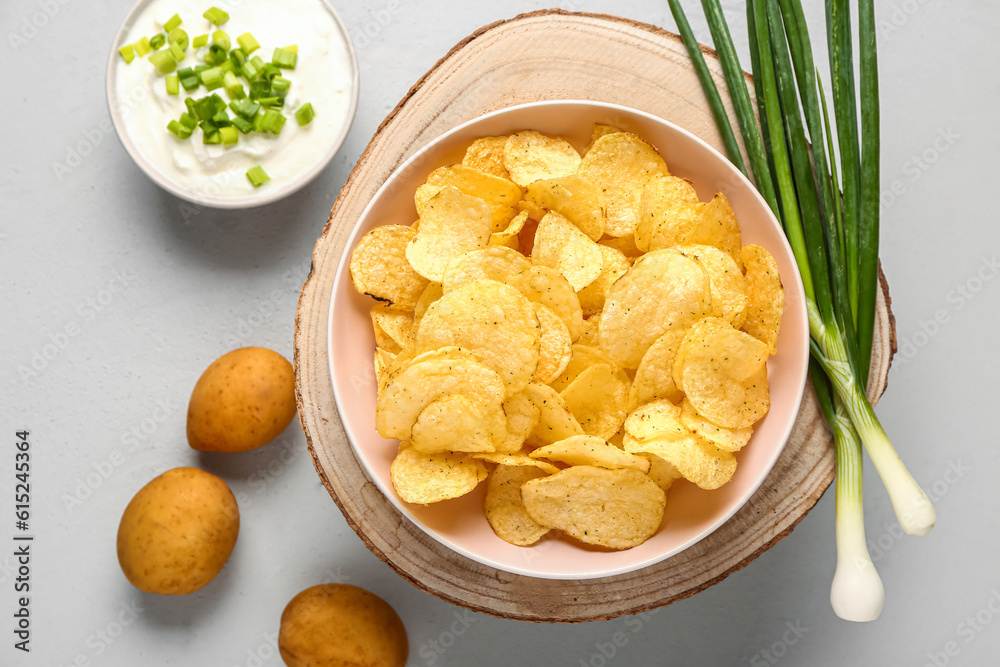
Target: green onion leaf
{"x":245,"y":108}
{"x":216,"y":16}
{"x":189,"y":79}
{"x":164,"y":62}
{"x":273,"y":121}
{"x":213,"y":78}
{"x":142,"y":47}
{"x":229,"y":135}
{"x":200,"y":41}
{"x":228,"y":67}
{"x":188,"y":121}
{"x":243,"y":125}
{"x":156,"y":41}
{"x":280,"y":86}
{"x":233,"y":87}
{"x":248,"y":43}
{"x":178,"y":130}
{"x":258,"y":176}
{"x":305,"y":114}
{"x":127,"y":53}
{"x":172,"y":23}
{"x":213,"y":138}
{"x":285,"y":58}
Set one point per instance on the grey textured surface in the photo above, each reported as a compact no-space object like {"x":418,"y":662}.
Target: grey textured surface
{"x":116,"y":296}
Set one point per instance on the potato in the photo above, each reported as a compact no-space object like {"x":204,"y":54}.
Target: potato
{"x":337,"y":625}
{"x":178,"y":532}
{"x":241,"y":402}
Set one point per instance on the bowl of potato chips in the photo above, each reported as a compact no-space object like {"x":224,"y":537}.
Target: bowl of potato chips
{"x":568,"y":339}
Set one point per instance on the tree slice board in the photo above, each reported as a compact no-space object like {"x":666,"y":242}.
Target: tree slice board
{"x":544,"y":55}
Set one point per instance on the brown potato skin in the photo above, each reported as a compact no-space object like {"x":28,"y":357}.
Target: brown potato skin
{"x":178,"y":532}
{"x":338,"y":625}
{"x":243,"y":401}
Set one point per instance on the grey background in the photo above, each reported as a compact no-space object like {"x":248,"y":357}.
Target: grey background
{"x":153,"y":292}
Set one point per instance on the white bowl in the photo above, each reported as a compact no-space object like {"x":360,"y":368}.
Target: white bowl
{"x":692,"y":513}
{"x":209,"y":190}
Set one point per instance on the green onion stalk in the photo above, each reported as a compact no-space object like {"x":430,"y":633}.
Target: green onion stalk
{"x":831,"y":221}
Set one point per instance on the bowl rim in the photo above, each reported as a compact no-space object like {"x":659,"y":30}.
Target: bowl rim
{"x":252,"y":201}
{"x":342,"y":272}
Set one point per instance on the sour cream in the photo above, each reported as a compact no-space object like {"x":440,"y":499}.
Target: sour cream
{"x":325,"y":75}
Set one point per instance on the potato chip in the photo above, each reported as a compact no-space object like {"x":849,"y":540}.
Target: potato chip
{"x":452,"y":223}
{"x":453,"y":423}
{"x":382,"y":360}
{"x":623,"y":244}
{"x":600,"y":129}
{"x":518,"y":460}
{"x":379,"y":267}
{"x":590,"y":450}
{"x":662,"y":473}
{"x":658,"y":419}
{"x":654,"y":378}
{"x":612,"y":508}
{"x":493,"y":321}
{"x":427,"y":378}
{"x":718,"y":227}
{"x":522,"y":417}
{"x":555,"y":421}
{"x":534,"y":212}
{"x":620,"y":164}
{"x":573,"y":197}
{"x":553,"y":346}
{"x":590,"y":336}
{"x":548,"y":287}
{"x":592,"y":296}
{"x":486,"y":155}
{"x":766,"y":296}
{"x":504,"y":508}
{"x":431,"y":293}
{"x":663,"y":290}
{"x":723,"y":373}
{"x":669,"y":210}
{"x":421,"y":197}
{"x":530,"y":156}
{"x":500,"y":194}
{"x":429,"y":478}
{"x":393,"y":328}
{"x":509,"y":237}
{"x":729,"y":292}
{"x":561,"y":246}
{"x":598,"y":398}
{"x":726,"y":439}
{"x":697,"y":459}
{"x":583,"y":357}
{"x":490,"y":263}
{"x":395,"y":367}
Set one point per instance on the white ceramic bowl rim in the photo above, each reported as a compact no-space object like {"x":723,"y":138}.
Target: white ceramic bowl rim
{"x":252,"y":201}
{"x":790,"y":283}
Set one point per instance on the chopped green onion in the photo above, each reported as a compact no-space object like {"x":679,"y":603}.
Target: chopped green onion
{"x":173,"y":84}
{"x":258,"y":176}
{"x":258,"y":121}
{"x":294,"y":48}
{"x":250,"y":71}
{"x":200,"y":41}
{"x":177,"y":52}
{"x":213,"y":78}
{"x":247,"y":43}
{"x":212,"y":138}
{"x":245,"y":108}
{"x":243,"y":125}
{"x":216,"y":55}
{"x":280,"y":86}
{"x":127,"y":53}
{"x":172,"y":23}
{"x":221,"y":39}
{"x":258,"y":89}
{"x":270,"y":71}
{"x":229,"y":135}
{"x":271,"y":101}
{"x":233,"y":87}
{"x":305,"y":114}
{"x":142,"y":47}
{"x":188,"y":121}
{"x":178,"y":37}
{"x":237,"y":57}
{"x":228,"y":67}
{"x":189,"y":79}
{"x":258,"y":63}
{"x":284,"y":58}
{"x":216,"y":16}
{"x":179,"y":130}
{"x":156,"y":41}
{"x":273,"y":121}
{"x":221,"y":118}
{"x":164,"y":61}
{"x":205,"y":108}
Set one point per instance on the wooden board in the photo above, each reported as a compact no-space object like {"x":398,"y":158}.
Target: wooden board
{"x":541,"y":56}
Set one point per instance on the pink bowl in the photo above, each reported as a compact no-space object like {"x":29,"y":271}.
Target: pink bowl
{"x":691,"y":513}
